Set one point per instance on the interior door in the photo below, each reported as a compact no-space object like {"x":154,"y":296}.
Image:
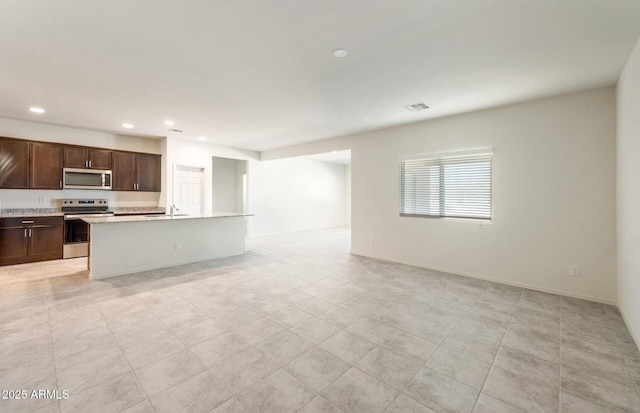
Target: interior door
{"x":188,"y":189}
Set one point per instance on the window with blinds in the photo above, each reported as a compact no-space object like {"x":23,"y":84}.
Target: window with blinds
{"x":452,"y":187}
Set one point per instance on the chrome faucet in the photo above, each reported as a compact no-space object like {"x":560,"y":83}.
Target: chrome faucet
{"x":172,"y":209}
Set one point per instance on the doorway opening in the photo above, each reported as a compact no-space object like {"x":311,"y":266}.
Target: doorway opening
{"x":229,"y":185}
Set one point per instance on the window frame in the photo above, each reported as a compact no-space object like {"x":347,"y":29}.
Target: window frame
{"x":441,"y":160}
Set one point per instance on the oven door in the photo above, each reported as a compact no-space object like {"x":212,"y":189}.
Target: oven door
{"x":76,"y":233}
{"x":75,"y":230}
{"x":76,"y":238}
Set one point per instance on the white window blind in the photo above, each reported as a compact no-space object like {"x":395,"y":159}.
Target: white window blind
{"x":452,"y":187}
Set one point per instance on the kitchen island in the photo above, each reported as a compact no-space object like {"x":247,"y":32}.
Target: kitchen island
{"x":126,"y":244}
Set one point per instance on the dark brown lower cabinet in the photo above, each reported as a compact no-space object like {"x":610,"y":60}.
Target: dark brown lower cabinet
{"x":13,"y":244}
{"x":30,"y":239}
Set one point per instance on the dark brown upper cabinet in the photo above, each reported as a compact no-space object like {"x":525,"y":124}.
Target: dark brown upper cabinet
{"x":148,"y":172}
{"x":79,"y":157}
{"x":124,"y":171}
{"x":45,"y":165}
{"x":14,"y":164}
{"x":38,"y":165}
{"x":136,"y":172}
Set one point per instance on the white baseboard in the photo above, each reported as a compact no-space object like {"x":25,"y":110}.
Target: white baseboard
{"x":480,"y":277}
{"x":634,"y":336}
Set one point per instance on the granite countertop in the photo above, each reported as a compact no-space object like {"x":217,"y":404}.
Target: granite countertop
{"x":158,"y":217}
{"x":54,"y":212}
{"x":137,"y":210}
{"x":30,"y":212}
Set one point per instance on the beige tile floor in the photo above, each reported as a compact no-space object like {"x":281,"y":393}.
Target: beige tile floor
{"x":299,"y":325}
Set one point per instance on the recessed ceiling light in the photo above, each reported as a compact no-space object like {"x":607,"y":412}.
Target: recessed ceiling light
{"x":36,"y":110}
{"x":169,"y":122}
{"x":127,"y":125}
{"x":340,"y":53}
{"x":202,"y":138}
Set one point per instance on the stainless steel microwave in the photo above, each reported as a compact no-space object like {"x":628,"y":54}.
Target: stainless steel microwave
{"x":77,"y":178}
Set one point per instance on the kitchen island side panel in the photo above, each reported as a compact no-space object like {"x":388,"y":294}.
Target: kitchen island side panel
{"x":126,"y":247}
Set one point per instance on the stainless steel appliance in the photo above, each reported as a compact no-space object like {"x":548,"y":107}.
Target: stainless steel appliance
{"x":78,"y":178}
{"x":76,"y":231}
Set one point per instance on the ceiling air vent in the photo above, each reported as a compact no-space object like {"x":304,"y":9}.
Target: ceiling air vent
{"x":417,"y":107}
{"x":175,"y":130}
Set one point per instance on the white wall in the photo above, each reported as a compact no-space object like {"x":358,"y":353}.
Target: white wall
{"x":198,"y":154}
{"x":553,"y":194}
{"x":31,"y":198}
{"x":51,"y":133}
{"x":347,"y":193}
{"x":227,"y":185}
{"x":243,"y":187}
{"x":296,"y":194}
{"x":628,"y":193}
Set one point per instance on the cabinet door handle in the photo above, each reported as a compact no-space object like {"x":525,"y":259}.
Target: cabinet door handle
{"x":25,"y":233}
{"x":29,"y":232}
{"x":27,"y":222}
{"x":86,"y":164}
{"x":89,"y":164}
{"x":60,"y":184}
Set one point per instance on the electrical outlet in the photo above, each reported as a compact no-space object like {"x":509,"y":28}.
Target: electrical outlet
{"x":574,"y":271}
{"x":178,"y":246}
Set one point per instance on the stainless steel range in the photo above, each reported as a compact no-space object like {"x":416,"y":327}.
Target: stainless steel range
{"x":76,"y":231}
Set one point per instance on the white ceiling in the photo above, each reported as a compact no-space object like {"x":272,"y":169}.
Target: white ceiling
{"x":259,"y":74}
{"x":341,"y":157}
